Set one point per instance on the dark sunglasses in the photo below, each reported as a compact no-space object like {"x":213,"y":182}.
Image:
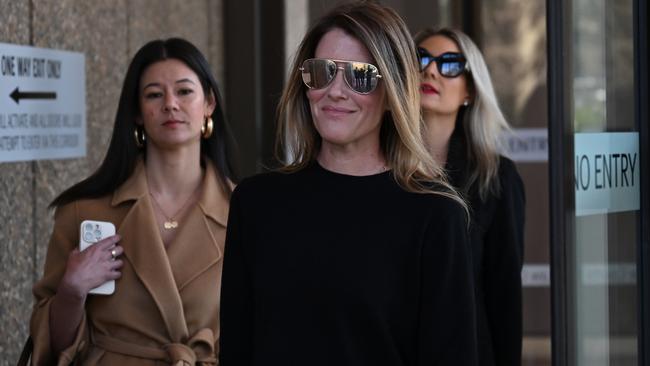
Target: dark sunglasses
{"x":450,"y":64}
{"x":361,"y":77}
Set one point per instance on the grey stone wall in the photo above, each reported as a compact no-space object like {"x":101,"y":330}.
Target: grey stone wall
{"x":108,"y":33}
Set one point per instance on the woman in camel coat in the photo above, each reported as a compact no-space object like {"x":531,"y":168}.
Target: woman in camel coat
{"x":165,"y":185}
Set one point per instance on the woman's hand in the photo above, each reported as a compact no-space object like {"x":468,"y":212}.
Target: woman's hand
{"x":92,"y":267}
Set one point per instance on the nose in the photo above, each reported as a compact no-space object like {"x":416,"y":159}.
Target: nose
{"x":431,"y":69}
{"x":170,"y":103}
{"x":335,"y":90}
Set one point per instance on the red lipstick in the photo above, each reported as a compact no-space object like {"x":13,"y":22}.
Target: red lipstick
{"x":428,"y":89}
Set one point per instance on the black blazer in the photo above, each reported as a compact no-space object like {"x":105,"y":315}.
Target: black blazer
{"x":497,"y":242}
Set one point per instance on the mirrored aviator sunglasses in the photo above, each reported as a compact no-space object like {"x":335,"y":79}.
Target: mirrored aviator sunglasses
{"x":361,"y":77}
{"x":449,"y":64}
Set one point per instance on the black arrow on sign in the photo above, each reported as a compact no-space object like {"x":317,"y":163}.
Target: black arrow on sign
{"x":17,"y":95}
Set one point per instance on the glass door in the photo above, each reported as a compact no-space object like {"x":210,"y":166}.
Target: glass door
{"x":601,"y":273}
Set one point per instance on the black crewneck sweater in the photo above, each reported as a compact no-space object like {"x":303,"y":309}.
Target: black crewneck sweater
{"x":323,"y":268}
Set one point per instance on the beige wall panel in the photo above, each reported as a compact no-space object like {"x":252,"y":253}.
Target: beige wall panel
{"x":16,"y":217}
{"x":216,"y":42}
{"x":99,"y":30}
{"x":155,"y":19}
{"x":16,"y":257}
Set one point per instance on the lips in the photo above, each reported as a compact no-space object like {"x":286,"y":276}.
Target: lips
{"x":428,"y":89}
{"x":336,"y":111}
{"x":172,"y":123}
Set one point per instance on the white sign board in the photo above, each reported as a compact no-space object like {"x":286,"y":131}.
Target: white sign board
{"x":529,"y":145}
{"x":42,"y":103}
{"x":607,"y":172}
{"x":535,"y":275}
{"x":598,"y":274}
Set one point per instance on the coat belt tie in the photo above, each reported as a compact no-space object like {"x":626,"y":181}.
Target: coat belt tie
{"x":199,"y":350}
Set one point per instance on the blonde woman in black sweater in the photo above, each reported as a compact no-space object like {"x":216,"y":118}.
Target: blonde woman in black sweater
{"x":356,"y":253}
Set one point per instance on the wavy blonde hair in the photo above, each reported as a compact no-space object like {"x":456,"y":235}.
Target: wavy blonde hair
{"x":389,"y":43}
{"x":483,"y":121}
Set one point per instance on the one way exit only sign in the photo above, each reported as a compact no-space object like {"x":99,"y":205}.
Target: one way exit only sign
{"x":42,"y":103}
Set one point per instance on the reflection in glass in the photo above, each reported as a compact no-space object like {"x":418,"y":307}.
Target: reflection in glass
{"x":360,"y":76}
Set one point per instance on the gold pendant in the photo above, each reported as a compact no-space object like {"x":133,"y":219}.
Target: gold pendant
{"x":170,"y":224}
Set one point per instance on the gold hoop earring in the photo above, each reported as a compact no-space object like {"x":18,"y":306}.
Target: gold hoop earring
{"x":140,"y":137}
{"x":206,"y":129}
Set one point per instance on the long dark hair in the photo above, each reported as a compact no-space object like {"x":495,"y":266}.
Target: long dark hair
{"x":123,"y":152}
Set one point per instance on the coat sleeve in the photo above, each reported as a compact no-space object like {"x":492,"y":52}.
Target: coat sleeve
{"x":503,"y":260}
{"x":236,"y":339}
{"x":64,"y":239}
{"x":447,"y":334}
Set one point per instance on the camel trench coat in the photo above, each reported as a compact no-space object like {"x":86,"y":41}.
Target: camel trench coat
{"x":165,"y":308}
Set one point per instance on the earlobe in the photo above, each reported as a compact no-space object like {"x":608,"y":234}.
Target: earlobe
{"x":467,"y":100}
{"x":211,"y":103}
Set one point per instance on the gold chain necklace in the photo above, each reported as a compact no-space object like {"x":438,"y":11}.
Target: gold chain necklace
{"x":170,"y":223}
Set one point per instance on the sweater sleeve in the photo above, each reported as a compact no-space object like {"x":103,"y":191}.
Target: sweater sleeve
{"x":236,"y":338}
{"x":503,"y":259}
{"x":64,"y":239}
{"x":447,"y":334}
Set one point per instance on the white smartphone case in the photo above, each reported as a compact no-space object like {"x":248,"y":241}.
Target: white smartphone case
{"x":90,"y":233}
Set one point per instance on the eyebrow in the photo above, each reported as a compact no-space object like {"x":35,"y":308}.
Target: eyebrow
{"x":185,"y":80}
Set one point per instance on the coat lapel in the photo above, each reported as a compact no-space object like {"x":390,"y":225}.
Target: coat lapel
{"x":196,"y":247}
{"x":144,"y":249}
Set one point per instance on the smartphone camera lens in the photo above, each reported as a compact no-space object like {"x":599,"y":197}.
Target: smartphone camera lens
{"x":88,"y":236}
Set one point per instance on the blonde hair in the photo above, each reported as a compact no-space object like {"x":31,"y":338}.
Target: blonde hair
{"x":389,"y":43}
{"x":483,"y":121}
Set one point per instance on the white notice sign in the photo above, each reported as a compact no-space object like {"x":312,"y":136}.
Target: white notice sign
{"x":607,"y":172}
{"x":42,"y":103}
{"x":526,"y":145}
